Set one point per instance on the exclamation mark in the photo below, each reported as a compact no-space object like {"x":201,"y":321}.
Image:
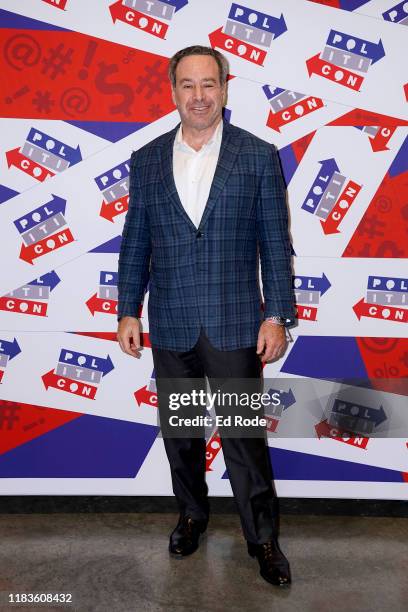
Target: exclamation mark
{"x":83,"y":73}
{"x":20,"y":92}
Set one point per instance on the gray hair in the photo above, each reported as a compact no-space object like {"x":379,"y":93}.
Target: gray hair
{"x":221,"y":60}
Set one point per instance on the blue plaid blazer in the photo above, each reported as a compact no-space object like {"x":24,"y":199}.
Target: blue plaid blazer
{"x":207,"y":276}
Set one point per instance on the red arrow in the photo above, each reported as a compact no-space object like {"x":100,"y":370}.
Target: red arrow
{"x":293,"y":112}
{"x":95,"y":304}
{"x":15,"y":158}
{"x":109,"y":210}
{"x":1,"y":375}
{"x":377,"y":311}
{"x":339,"y":210}
{"x":308,"y":313}
{"x":382,"y":137}
{"x":138,"y":20}
{"x":144,"y":396}
{"x":42,"y":247}
{"x":328,"y":71}
{"x":76,"y":387}
{"x":324,"y":429}
{"x":31,"y":307}
{"x":237,"y":47}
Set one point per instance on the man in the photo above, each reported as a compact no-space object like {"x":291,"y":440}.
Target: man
{"x":203,"y":198}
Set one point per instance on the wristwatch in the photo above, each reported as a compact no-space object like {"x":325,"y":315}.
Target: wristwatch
{"x":276,"y":320}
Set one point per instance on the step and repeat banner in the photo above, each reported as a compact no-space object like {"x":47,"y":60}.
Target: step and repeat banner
{"x":83,"y":85}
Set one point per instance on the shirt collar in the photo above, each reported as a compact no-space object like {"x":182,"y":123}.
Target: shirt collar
{"x":215,"y":138}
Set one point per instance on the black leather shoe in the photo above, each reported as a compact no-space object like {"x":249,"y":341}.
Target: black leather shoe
{"x":185,"y":537}
{"x":274,"y":566}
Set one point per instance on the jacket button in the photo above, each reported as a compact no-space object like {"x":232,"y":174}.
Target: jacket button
{"x":199,"y":234}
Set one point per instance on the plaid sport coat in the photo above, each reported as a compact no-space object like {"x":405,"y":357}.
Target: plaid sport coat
{"x":207,"y":276}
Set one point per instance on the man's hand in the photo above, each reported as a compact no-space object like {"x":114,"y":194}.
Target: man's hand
{"x":129,"y":336}
{"x":272,"y":340}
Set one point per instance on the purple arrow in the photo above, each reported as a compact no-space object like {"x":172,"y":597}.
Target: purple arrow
{"x":312,"y":283}
{"x":364,"y":48}
{"x":60,"y":149}
{"x":51,"y":280}
{"x":85,"y":360}
{"x":363,"y":412}
{"x":45,"y":211}
{"x":287,"y":398}
{"x":272,"y":92}
{"x":178,"y":4}
{"x":10,"y":348}
{"x":329,"y":167}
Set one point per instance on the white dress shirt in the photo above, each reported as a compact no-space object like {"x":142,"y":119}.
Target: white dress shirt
{"x":194,"y":172}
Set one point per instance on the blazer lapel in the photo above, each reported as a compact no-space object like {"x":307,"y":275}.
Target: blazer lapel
{"x":167,"y":175}
{"x":228,"y":153}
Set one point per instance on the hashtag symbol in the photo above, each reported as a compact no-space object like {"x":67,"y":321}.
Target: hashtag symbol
{"x":8,"y":416}
{"x":152,"y":80}
{"x":54,"y":64}
{"x":370,"y":226}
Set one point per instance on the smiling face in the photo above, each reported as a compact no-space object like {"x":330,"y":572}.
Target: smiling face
{"x":198,"y":94}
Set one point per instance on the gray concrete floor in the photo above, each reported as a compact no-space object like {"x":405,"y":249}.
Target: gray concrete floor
{"x":120,"y":562}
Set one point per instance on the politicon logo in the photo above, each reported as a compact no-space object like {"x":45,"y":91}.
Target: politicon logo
{"x":33,"y":298}
{"x":44,"y":230}
{"x":105,"y":299}
{"x":386,"y":298}
{"x":150,"y":16}
{"x":42,"y":156}
{"x":247,"y":33}
{"x":330,"y":196}
{"x":345,"y":59}
{"x":308,"y":290}
{"x":114,"y":187}
{"x":288,"y":106}
{"x":78,"y":373}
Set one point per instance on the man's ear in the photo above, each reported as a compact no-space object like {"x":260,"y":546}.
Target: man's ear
{"x":173,"y":97}
{"x":225,"y":95}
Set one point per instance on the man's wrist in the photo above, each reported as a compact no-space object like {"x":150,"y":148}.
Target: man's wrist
{"x":276,"y":320}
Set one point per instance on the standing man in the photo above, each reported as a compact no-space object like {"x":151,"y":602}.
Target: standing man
{"x":203,"y":198}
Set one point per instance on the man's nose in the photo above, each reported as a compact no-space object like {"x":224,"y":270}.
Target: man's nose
{"x":198,"y":92}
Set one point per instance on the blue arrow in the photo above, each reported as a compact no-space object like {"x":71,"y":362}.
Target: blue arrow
{"x":10,"y":348}
{"x":396,"y":13}
{"x":45,"y":211}
{"x":364,"y":48}
{"x":276,"y":25}
{"x":272,"y":92}
{"x":315,"y":194}
{"x":286,"y":397}
{"x":108,"y":178}
{"x":65,"y":151}
{"x":386,"y":283}
{"x":313,"y":283}
{"x":178,"y":4}
{"x":280,"y":26}
{"x":51,"y":280}
{"x":91,"y":361}
{"x":359,"y":411}
{"x":108,"y":278}
{"x":108,"y":366}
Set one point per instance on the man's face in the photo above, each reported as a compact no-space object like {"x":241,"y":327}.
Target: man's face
{"x":198,"y":94}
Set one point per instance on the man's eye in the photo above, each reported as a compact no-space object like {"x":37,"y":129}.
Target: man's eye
{"x":187,"y":86}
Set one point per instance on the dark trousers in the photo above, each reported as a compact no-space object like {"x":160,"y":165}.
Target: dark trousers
{"x":246,"y":458}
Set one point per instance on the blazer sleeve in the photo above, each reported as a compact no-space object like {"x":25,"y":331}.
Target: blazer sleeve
{"x":135,"y":249}
{"x":272,"y":224}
